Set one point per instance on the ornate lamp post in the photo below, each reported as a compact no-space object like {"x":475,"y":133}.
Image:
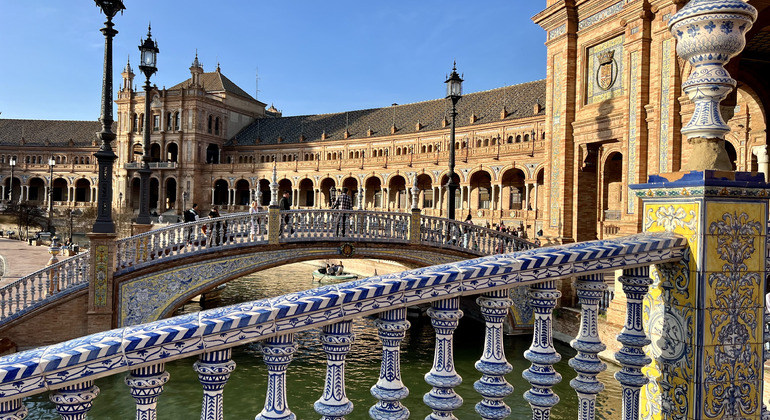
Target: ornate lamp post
{"x":105,"y":156}
{"x":454,"y":91}
{"x":11,"y":162}
{"x":51,"y":164}
{"x":149,"y":56}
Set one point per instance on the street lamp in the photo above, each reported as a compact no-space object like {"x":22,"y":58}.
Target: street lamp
{"x":51,"y":164}
{"x":105,"y":156}
{"x":11,"y":162}
{"x":149,"y":56}
{"x":454,"y":91}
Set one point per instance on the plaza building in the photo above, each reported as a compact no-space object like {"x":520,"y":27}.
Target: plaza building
{"x":555,"y":156}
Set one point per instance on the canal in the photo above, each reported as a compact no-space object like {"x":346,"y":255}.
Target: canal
{"x":244,"y":394}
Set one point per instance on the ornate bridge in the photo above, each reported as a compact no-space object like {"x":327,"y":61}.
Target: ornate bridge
{"x":157,"y":271}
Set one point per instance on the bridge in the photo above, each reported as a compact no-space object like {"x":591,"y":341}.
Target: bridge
{"x":156,"y":272}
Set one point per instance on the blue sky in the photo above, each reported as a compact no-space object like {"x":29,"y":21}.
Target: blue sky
{"x":313,"y":56}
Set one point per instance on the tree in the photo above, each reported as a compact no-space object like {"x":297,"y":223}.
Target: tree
{"x":27,"y":215}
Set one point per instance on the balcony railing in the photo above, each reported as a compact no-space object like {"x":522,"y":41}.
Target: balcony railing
{"x":153,"y":165}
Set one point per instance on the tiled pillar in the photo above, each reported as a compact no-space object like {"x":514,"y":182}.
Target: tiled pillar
{"x":704,"y":314}
{"x":100,"y":285}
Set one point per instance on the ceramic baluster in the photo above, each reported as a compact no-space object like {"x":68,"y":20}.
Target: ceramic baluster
{"x":445,"y":316}
{"x":277,"y":352}
{"x":636,"y":282}
{"x":214,"y":370}
{"x":74,"y":401}
{"x":541,"y":374}
{"x":493,"y":366}
{"x":146,"y":385}
{"x":13,"y":410}
{"x":334,"y":404}
{"x":590,"y":290}
{"x":389,"y":389}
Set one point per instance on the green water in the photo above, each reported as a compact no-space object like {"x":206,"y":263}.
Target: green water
{"x":244,"y":394}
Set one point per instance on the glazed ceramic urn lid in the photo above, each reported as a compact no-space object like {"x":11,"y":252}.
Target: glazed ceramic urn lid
{"x":714,"y":7}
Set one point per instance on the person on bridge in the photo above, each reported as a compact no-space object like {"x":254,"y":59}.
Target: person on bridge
{"x":191,"y":215}
{"x":255,"y":222}
{"x":285,"y":204}
{"x":343,"y":202}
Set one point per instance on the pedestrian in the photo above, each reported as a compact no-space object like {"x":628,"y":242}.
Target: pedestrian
{"x":255,"y":222}
{"x":215,"y":235}
{"x":343,"y":202}
{"x":285,"y":204}
{"x":191,"y":215}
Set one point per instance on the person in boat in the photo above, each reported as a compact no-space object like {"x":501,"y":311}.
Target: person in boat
{"x":332,"y":270}
{"x":340,"y":269}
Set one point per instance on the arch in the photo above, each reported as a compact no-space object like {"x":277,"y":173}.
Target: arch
{"x":60,"y":189}
{"x":221,"y":192}
{"x":325,"y":186}
{"x":612,"y":186}
{"x":212,"y":153}
{"x":264,"y":192}
{"x":137,"y":152}
{"x":134,"y":194}
{"x":425,"y":185}
{"x":732,"y":154}
{"x":480,"y":190}
{"x":397,"y":193}
{"x":82,"y":190}
{"x":513,"y":182}
{"x":37,"y":190}
{"x":373,"y":196}
{"x":306,"y":193}
{"x":155,"y":152}
{"x":172,"y":152}
{"x":518,"y":138}
{"x":171,"y":193}
{"x":526,"y":137}
{"x":242,"y":192}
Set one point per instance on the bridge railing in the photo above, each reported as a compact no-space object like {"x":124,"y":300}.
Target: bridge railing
{"x":185,"y":239}
{"x":443,"y":232}
{"x":354,"y":225}
{"x":33,"y":290}
{"x":68,"y":370}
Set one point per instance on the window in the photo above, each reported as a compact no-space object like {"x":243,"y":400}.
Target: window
{"x":483,"y":198}
{"x":427,"y":199}
{"x":526,"y":137}
{"x":216,"y":126}
{"x":155,"y":122}
{"x":211,"y":123}
{"x":135,"y":125}
{"x":177,"y":122}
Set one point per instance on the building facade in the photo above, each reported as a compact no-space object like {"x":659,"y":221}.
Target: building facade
{"x":555,"y":156}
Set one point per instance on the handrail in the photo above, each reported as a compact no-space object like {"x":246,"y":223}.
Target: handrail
{"x":306,"y":225}
{"x":273,"y":321}
{"x":33,"y":290}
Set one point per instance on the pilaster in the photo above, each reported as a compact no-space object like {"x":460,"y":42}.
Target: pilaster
{"x":704,"y":314}
{"x":100,"y":285}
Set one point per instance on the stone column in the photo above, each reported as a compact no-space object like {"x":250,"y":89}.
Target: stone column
{"x":100,"y":284}
{"x":763,"y":161}
{"x":212,"y":196}
{"x":708,"y":308}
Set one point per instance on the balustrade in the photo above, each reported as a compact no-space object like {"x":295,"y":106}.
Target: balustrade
{"x":274,"y":323}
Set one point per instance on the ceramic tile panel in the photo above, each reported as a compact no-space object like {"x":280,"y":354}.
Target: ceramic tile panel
{"x":82,"y":350}
{"x":301,"y":322}
{"x":84,"y":371}
{"x":239,"y":336}
{"x":730,"y":401}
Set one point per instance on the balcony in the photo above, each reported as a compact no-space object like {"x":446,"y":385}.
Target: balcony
{"x":153,"y":165}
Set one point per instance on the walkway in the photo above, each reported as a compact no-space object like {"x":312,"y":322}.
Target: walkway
{"x":20,"y":259}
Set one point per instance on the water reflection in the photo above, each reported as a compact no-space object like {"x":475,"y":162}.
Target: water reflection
{"x":245,"y":392}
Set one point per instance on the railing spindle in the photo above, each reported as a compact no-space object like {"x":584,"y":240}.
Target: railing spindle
{"x":636,"y":282}
{"x":541,"y":374}
{"x":442,"y":399}
{"x":493,"y":366}
{"x":334,"y":404}
{"x":586,"y":363}
{"x":146,"y":385}
{"x":73,"y":402}
{"x":277,"y":353}
{"x":13,"y":410}
{"x":389,"y":389}
{"x":214,"y":369}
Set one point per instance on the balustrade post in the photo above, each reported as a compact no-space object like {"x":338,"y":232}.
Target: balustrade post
{"x":146,"y":385}
{"x":73,"y":402}
{"x":100,"y":281}
{"x":445,"y":316}
{"x":586,"y":363}
{"x":13,"y":410}
{"x":636,"y":282}
{"x":541,"y":374}
{"x":389,"y":389}
{"x":277,"y":353}
{"x":273,"y":224}
{"x":414,"y":226}
{"x":334,"y":404}
{"x":214,"y":370}
{"x":493,"y":366}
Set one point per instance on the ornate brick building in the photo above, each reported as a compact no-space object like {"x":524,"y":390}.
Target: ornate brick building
{"x":554,"y":155}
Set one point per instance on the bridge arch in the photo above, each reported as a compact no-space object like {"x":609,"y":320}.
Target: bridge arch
{"x":156,"y":292}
